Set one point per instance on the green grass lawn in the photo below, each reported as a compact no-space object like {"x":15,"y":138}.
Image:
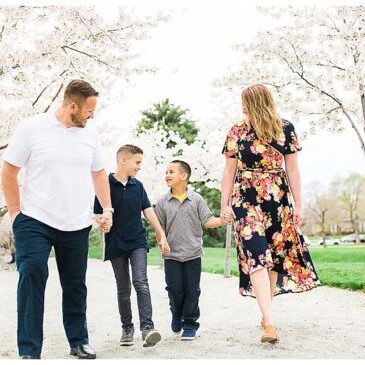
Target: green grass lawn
{"x":342,"y":267}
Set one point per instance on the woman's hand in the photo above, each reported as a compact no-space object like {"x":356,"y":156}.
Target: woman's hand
{"x":298,"y":216}
{"x":227,"y":214}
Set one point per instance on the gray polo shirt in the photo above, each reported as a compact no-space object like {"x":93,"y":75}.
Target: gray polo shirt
{"x":182,"y":223}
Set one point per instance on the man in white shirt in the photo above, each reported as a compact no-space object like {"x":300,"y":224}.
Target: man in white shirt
{"x":62,"y":158}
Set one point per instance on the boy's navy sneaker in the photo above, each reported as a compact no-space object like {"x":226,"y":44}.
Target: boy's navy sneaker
{"x":188,"y":334}
{"x":176,"y":324}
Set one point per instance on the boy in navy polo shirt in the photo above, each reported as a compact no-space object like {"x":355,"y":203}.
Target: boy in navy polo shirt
{"x":126,"y":243}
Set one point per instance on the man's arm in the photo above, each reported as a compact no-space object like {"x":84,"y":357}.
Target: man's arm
{"x":9,"y":179}
{"x":102,"y":192}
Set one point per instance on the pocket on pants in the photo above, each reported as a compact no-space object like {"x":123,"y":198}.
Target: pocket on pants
{"x":16,"y":220}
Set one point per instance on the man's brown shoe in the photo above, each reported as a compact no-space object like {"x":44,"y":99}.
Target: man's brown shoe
{"x":269,"y":334}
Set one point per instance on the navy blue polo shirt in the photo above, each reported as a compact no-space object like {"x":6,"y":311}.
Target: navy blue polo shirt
{"x":127,"y":233}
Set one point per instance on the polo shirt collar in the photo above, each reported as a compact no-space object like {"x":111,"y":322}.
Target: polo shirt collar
{"x":188,"y":196}
{"x":55,"y":122}
{"x":113,"y":180}
{"x":53,"y":119}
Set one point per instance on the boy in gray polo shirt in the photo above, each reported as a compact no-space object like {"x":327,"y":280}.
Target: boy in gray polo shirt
{"x":182,"y":213}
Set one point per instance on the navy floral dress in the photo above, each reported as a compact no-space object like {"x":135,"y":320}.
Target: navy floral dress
{"x":264,"y":230}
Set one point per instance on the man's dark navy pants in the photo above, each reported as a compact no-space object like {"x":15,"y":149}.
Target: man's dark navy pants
{"x":34,"y":241}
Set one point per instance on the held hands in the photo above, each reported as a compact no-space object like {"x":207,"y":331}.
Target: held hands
{"x":227,"y":215}
{"x":164,"y":246}
{"x":105,"y":221}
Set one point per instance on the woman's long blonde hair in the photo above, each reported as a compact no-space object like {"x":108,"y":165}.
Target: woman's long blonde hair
{"x":260,"y":108}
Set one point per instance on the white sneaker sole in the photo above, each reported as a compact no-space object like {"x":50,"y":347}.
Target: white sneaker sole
{"x":187,"y":338}
{"x":126,"y":343}
{"x":151,"y":339}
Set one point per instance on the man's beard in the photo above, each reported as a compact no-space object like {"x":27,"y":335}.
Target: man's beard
{"x":77,"y":121}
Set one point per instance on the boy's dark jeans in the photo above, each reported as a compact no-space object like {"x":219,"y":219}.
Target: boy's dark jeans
{"x":138,"y":261}
{"x":34,"y":241}
{"x":183,"y":287}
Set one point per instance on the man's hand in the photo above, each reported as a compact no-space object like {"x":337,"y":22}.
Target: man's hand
{"x":105,"y":221}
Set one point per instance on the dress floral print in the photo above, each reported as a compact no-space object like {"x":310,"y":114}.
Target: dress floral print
{"x":264,"y":230}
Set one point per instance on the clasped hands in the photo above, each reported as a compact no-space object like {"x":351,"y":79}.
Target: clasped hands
{"x":227,"y":215}
{"x":105,"y":221}
{"x":164,"y":246}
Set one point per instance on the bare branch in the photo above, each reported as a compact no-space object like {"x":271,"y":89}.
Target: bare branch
{"x":296,"y":55}
{"x":1,"y":32}
{"x":333,"y":66}
{"x":54,"y":98}
{"x":327,"y":112}
{"x":83,"y":22}
{"x":276,"y":86}
{"x":46,"y":87}
{"x":85,"y":53}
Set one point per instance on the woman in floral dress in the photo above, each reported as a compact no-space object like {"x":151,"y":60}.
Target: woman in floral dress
{"x":272,"y":254}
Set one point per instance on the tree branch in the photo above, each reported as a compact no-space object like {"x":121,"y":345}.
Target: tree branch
{"x":337,"y":101}
{"x":2,"y":31}
{"x":327,"y":112}
{"x":353,"y":125}
{"x":83,"y":22}
{"x":85,"y":53}
{"x":333,"y":66}
{"x":46,"y":87}
{"x":53,"y":99}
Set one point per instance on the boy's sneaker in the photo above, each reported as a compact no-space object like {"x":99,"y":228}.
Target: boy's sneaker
{"x":127,"y":337}
{"x":176,"y":325}
{"x":150,"y":337}
{"x":188,"y":334}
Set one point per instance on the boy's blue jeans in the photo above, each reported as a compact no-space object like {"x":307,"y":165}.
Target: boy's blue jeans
{"x":138,"y":263}
{"x":183,"y":287}
{"x":34,"y":241}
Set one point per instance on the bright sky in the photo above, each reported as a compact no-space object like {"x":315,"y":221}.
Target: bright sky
{"x":194,"y":48}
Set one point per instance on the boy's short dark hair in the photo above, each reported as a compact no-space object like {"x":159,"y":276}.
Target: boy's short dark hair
{"x":185,"y":166}
{"x":129,"y":149}
{"x":78,"y":91}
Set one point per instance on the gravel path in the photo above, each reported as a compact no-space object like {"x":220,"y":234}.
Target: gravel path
{"x":322,"y":323}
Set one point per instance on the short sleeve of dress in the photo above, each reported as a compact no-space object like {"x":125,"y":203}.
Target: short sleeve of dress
{"x":230,"y":148}
{"x":292,"y":144}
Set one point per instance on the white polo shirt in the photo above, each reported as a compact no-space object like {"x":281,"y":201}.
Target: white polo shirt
{"x":58,"y":162}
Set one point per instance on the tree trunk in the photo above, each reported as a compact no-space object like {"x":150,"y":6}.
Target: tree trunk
{"x":323,"y":224}
{"x":353,"y":125}
{"x":363,"y":109}
{"x":356,"y":229}
{"x":227,"y":253}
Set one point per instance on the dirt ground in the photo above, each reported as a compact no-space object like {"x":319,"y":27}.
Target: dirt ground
{"x":325,"y":323}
